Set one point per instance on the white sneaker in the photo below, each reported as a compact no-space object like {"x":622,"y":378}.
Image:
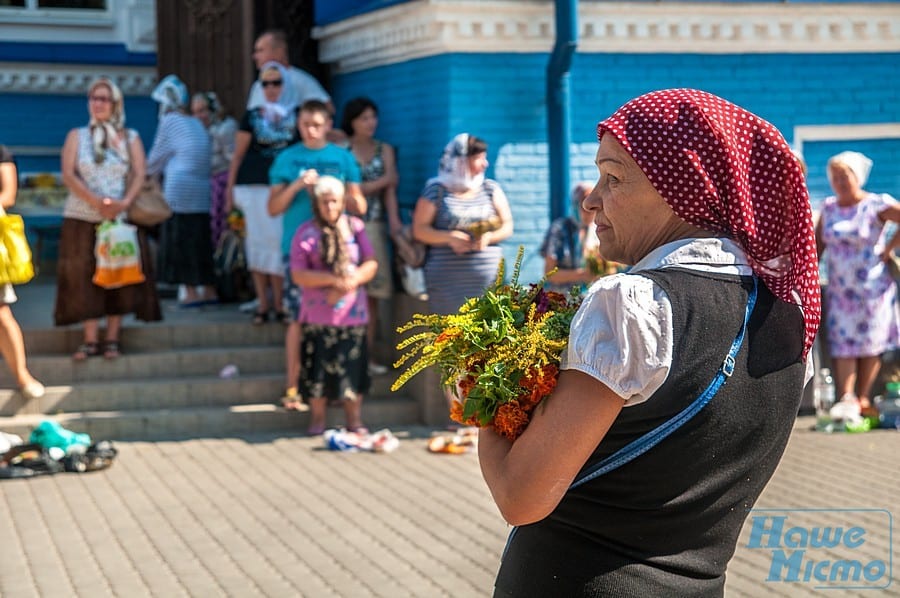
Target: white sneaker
{"x":249,"y":306}
{"x":846,"y":409}
{"x":376,"y":369}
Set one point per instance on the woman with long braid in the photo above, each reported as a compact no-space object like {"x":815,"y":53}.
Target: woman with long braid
{"x":332,"y":260}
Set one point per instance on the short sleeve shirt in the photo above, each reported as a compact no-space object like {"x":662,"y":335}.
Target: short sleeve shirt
{"x":329,"y":160}
{"x":267,"y":140}
{"x":352,"y":309}
{"x":622,"y":333}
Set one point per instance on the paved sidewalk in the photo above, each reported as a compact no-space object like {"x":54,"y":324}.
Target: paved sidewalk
{"x":281,"y":516}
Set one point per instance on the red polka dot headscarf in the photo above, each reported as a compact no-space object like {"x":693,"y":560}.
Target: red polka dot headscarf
{"x":726,"y":170}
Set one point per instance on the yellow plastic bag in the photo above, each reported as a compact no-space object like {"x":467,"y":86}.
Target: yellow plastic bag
{"x":15,"y":254}
{"x":118,"y":255}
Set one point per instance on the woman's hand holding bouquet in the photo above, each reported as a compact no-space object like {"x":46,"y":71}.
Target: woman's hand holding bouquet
{"x":500,"y":352}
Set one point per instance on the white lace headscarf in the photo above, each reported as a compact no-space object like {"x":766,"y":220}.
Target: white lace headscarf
{"x":105,"y":134}
{"x":171,"y":94}
{"x":453,"y":170}
{"x":859,"y":163}
{"x":274,"y":112}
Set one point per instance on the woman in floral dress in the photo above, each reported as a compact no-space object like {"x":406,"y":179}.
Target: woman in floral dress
{"x":863,"y":320}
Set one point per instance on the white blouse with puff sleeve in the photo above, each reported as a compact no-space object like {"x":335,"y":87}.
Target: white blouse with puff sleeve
{"x":622,"y":334}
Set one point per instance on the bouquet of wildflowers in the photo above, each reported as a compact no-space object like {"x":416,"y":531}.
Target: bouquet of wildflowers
{"x":499,"y":353}
{"x":235,"y":221}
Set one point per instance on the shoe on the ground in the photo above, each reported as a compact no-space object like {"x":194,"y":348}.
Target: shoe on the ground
{"x":847,"y":409}
{"x":249,"y":306}
{"x":376,"y":369}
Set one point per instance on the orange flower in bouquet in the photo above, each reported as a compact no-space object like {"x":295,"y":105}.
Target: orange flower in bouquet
{"x":499,"y":353}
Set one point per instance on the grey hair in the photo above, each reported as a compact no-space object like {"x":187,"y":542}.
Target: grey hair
{"x":329,"y":184}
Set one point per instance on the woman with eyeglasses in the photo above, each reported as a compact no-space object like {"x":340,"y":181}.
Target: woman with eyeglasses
{"x":103,"y":167}
{"x":264,"y":131}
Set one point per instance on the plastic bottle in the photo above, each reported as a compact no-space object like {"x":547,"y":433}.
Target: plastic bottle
{"x":823,"y":399}
{"x":889,"y":406}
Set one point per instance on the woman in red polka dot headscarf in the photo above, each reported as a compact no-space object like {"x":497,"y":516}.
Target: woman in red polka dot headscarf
{"x":682,"y":376}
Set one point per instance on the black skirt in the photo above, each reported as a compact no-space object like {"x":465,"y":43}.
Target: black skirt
{"x":186,"y":251}
{"x":79,"y":299}
{"x":334,"y":362}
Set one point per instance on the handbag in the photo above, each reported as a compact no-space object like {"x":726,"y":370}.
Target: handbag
{"x":409,"y":251}
{"x":150,"y":206}
{"x":410,"y":257}
{"x":16,"y":266}
{"x":118,"y":255}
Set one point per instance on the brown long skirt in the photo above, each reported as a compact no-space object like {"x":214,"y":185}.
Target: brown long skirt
{"x":78,"y":299}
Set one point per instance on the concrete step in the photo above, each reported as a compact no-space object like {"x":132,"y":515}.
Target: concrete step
{"x":160,"y":336}
{"x":211,"y":421}
{"x":164,"y":392}
{"x":61,"y":369}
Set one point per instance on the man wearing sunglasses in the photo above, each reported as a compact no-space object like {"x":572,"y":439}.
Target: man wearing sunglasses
{"x":299,"y":85}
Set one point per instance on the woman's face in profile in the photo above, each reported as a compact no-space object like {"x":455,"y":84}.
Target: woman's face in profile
{"x":100,"y":103}
{"x":200,"y":110}
{"x":843,"y":181}
{"x":632,"y":218}
{"x":478,"y":164}
{"x":272,"y":83}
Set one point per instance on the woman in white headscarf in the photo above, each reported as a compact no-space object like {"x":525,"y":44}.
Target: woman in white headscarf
{"x":264,"y":132}
{"x":181,"y":153}
{"x":103,"y":167}
{"x":862,"y":316}
{"x":462,"y":216}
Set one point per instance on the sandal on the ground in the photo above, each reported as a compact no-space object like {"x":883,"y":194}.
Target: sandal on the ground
{"x":111,"y":350}
{"x":260,"y":318}
{"x":86,"y":350}
{"x":283,"y":317}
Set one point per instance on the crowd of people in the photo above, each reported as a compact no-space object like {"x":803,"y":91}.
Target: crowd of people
{"x":325,"y":274}
{"x":660,"y":239}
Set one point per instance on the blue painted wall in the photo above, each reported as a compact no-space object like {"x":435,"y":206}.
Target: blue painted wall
{"x":74,"y":53}
{"x":501,"y":98}
{"x":35,"y":119}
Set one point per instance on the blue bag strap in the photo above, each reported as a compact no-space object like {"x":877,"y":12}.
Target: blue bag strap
{"x":643,"y":444}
